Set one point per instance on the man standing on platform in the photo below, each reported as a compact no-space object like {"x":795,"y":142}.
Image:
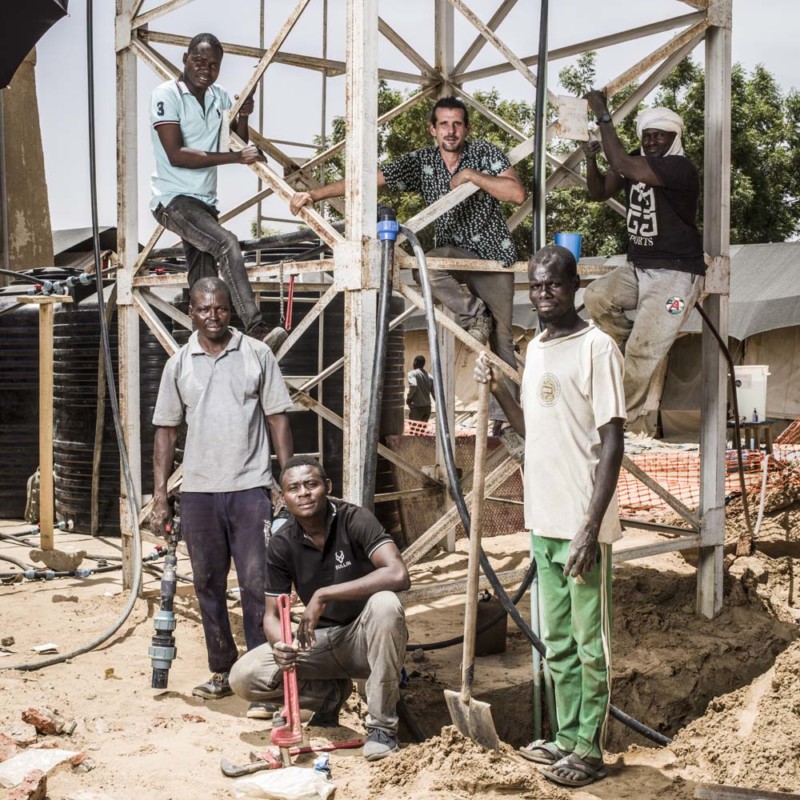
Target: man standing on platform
{"x":572,"y":415}
{"x":663,"y":276}
{"x":228,"y":389}
{"x":474,"y":229}
{"x":186,"y":118}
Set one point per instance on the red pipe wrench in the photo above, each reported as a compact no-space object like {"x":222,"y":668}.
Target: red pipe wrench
{"x":283,"y":736}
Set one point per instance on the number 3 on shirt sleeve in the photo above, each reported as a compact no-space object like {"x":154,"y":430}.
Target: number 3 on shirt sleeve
{"x":160,"y":108}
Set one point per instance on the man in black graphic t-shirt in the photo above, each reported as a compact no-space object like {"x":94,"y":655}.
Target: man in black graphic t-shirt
{"x":665,"y":250}
{"x":346,"y":569}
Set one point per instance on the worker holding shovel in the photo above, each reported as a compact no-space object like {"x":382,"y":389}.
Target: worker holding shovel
{"x":346,"y":569}
{"x":573,"y":411}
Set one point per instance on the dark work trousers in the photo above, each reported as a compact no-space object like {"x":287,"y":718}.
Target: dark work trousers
{"x":207,"y":244}
{"x":218,"y":527}
{"x":420,"y":413}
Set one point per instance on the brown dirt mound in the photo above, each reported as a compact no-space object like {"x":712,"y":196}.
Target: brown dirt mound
{"x":751,"y":737}
{"x":451,"y":763}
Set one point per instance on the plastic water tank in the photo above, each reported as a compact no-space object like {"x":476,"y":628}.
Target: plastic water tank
{"x":19,"y":406}
{"x":76,"y":346}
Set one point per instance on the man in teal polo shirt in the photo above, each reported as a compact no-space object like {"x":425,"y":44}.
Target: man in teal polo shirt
{"x":186,"y":116}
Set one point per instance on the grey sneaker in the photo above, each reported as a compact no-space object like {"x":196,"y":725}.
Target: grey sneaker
{"x":480,"y":328}
{"x":275,"y":338}
{"x":379,"y":744}
{"x":261,"y":710}
{"x":214,"y":688}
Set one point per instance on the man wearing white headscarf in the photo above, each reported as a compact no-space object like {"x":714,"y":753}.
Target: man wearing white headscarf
{"x":663,"y":276}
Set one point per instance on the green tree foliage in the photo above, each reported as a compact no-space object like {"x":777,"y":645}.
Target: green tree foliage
{"x":765,"y":147}
{"x":765,"y":152}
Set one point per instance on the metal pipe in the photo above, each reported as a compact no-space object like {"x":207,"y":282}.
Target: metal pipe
{"x":538,"y":228}
{"x":387,"y":233}
{"x":3,"y":191}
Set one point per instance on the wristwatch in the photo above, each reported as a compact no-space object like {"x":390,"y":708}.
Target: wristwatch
{"x":606,"y":117}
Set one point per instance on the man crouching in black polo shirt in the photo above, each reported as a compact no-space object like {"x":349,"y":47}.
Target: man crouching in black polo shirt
{"x":346,"y":570}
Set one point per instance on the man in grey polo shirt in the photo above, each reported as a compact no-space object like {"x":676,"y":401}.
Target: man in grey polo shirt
{"x":229,"y":391}
{"x":186,"y":118}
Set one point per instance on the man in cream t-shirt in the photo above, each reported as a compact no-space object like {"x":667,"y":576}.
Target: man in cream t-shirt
{"x":571,"y":414}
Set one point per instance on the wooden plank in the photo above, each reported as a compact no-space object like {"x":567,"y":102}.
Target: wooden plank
{"x":169,"y":310}
{"x":308,"y":320}
{"x":632,"y":552}
{"x":432,"y":591}
{"x":330,"y":67}
{"x":405,"y":48}
{"x":332,"y":417}
{"x":494,"y":480}
{"x":716,"y":243}
{"x":581,"y":47}
{"x":46,"y":498}
{"x":269,"y":55}
{"x":479,"y":42}
{"x":158,"y":12}
{"x":718,"y":791}
{"x":156,"y":326}
{"x":653,"y":486}
{"x":658,"y":55}
{"x":501,"y":46}
{"x":452,"y":327}
{"x":127,"y":318}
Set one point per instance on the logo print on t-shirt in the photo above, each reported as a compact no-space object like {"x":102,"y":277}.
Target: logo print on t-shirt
{"x":549,"y":390}
{"x":642,"y":220}
{"x":675,"y":305}
{"x":340,"y":562}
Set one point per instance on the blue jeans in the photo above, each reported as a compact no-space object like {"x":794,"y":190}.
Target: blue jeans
{"x":207,"y":244}
{"x":218,"y":527}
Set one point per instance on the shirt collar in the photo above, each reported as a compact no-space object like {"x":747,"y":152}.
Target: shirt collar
{"x":195,"y":350}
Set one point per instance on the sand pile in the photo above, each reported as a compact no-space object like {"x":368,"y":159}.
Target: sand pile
{"x":450,"y":763}
{"x":751,"y":737}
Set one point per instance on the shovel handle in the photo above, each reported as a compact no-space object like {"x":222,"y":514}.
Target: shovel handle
{"x":476,"y":522}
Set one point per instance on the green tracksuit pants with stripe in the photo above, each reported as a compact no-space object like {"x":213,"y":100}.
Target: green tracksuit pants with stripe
{"x":576,"y":628}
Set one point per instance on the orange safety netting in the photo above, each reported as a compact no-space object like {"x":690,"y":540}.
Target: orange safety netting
{"x":678,"y":470}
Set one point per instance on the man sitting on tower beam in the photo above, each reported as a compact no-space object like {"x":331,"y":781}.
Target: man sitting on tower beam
{"x":186,"y":116}
{"x":663,"y":276}
{"x":474,"y":229}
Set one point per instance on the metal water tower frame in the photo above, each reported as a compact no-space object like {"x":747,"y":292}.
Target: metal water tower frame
{"x":354,"y":268}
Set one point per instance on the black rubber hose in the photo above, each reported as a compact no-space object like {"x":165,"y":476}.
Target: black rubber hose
{"x":458,"y":496}
{"x":21,"y":276}
{"x":379,"y":361}
{"x":540,"y":136}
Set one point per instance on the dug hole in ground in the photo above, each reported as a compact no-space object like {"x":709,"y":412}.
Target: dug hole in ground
{"x":727,"y":690}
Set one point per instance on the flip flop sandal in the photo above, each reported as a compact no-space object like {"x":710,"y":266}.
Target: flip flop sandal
{"x":543,"y":752}
{"x":575,"y":764}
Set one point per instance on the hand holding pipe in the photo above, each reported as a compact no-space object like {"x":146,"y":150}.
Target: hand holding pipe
{"x":283,"y":736}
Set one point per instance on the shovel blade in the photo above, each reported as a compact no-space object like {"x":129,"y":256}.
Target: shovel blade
{"x":473,"y":719}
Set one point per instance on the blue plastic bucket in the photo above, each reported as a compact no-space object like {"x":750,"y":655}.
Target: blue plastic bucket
{"x":572,"y":241}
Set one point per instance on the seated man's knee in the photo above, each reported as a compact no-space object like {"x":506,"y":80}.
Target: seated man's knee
{"x":241,"y":677}
{"x":385,"y":608}
{"x":595,"y":299}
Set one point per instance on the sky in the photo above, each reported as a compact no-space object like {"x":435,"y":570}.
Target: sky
{"x":764,"y":32}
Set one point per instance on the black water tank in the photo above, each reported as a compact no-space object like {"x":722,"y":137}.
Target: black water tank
{"x":19,"y":406}
{"x":76,"y":348}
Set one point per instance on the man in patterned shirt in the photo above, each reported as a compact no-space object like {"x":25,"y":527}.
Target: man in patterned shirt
{"x":475,"y":228}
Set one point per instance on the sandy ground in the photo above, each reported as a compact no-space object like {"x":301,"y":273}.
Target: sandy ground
{"x":729,"y":689}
